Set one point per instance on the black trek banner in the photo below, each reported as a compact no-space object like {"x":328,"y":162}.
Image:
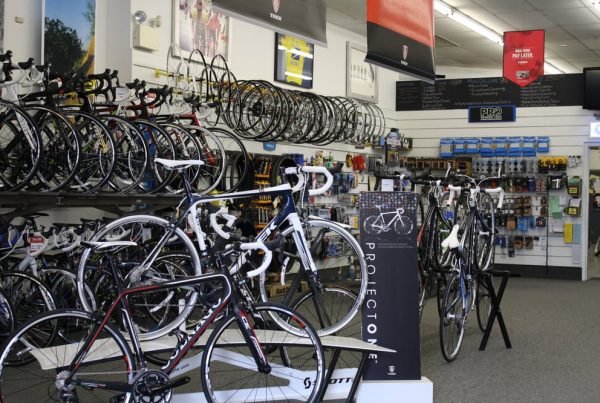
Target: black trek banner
{"x":304,"y":19}
{"x":390,"y":312}
{"x":400,"y":36}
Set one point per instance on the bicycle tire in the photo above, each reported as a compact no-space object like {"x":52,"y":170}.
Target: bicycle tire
{"x":137,"y":228}
{"x":336,"y":276}
{"x":20,"y":147}
{"x":452,"y":320}
{"x":61,"y":149}
{"x":132,"y":154}
{"x":224,"y":354}
{"x":370,"y":227}
{"x":240,"y":168}
{"x":28,"y":295}
{"x":212,"y":153}
{"x":483,"y":304}
{"x":24,"y":379}
{"x":98,"y":153}
{"x":486,"y":232}
{"x":7,"y":317}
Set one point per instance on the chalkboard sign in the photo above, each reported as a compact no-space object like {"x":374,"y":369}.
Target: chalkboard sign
{"x":552,"y":90}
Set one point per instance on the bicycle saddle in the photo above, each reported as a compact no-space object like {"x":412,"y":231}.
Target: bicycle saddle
{"x":173,"y":164}
{"x":452,"y":242}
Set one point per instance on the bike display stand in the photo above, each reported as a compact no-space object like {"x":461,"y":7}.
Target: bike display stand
{"x":496,"y":313}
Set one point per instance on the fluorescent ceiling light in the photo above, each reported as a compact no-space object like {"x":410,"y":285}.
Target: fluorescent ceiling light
{"x":468,"y":22}
{"x":484,"y":31}
{"x":287,"y":73}
{"x":295,"y":51}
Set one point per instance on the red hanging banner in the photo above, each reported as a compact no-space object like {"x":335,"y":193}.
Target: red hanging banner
{"x":523,"y":56}
{"x":400,"y":36}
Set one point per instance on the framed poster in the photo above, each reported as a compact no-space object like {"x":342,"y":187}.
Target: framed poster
{"x":197,"y":26}
{"x":69,"y":35}
{"x":294,"y":61}
{"x":361,"y":77}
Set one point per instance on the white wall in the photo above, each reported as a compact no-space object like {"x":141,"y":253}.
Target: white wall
{"x":25,"y":40}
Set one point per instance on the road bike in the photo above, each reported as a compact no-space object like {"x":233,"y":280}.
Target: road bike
{"x":383,"y":222}
{"x":76,"y":356}
{"x":471,"y":244}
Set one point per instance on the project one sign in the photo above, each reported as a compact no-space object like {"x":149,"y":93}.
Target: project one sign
{"x":390,"y":316}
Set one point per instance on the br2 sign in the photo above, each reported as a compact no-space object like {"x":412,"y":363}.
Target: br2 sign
{"x":492,"y":113}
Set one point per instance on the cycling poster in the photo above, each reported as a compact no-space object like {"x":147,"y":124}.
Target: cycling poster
{"x":388,"y":236}
{"x":294,"y":60}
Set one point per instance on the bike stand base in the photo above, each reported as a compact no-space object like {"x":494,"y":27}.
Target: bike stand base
{"x":496,"y":313}
{"x":419,"y":391}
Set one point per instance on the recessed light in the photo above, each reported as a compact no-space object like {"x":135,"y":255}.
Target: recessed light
{"x":563,"y":45}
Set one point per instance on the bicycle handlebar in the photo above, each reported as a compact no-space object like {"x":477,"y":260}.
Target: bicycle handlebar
{"x":266,"y":262}
{"x":222,"y":212}
{"x":298,"y":171}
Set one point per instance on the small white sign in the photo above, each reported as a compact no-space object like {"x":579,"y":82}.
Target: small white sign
{"x":387,"y":185}
{"x":595,"y":129}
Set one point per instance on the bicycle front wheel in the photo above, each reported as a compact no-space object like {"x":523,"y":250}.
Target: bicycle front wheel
{"x":340,"y":264}
{"x":34,"y":360}
{"x":452,"y":329}
{"x":297,"y":367}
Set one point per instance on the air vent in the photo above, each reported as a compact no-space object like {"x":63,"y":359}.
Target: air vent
{"x":441,"y":42}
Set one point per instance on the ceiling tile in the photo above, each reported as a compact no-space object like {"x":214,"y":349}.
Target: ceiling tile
{"x":593,"y":44}
{"x":584,"y":31}
{"x":571,"y":16}
{"x":555,"y":4}
{"x":467,"y":39}
{"x":504,"y":6}
{"x":529,"y":20}
{"x":445,"y":25}
{"x":557,"y":34}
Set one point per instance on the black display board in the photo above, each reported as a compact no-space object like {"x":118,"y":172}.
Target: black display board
{"x":390,"y":313}
{"x":552,"y":90}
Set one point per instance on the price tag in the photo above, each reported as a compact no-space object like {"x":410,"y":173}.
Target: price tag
{"x":36,"y":243}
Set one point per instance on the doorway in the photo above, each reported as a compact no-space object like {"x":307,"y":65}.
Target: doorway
{"x":593,"y":253}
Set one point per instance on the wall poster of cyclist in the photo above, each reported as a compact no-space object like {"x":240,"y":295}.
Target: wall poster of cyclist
{"x":197,"y":26}
{"x":294,"y":61}
{"x":69,"y":35}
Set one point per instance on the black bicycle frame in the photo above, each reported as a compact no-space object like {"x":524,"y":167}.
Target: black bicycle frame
{"x":229,"y":299}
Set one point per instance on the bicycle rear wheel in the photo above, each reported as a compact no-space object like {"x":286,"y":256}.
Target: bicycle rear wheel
{"x":486,"y":231}
{"x":297,"y":367}
{"x":452,"y":329}
{"x":155,"y":313}
{"x":34,"y":360}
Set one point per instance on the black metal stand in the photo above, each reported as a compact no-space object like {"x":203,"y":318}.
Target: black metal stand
{"x":357,"y":378}
{"x":496,"y":313}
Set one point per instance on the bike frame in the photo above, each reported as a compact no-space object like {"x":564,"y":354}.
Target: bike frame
{"x":229,"y":299}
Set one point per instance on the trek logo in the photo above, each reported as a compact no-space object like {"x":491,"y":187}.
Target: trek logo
{"x":276,"y":5}
{"x":404,"y":52}
{"x":392,"y":370}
